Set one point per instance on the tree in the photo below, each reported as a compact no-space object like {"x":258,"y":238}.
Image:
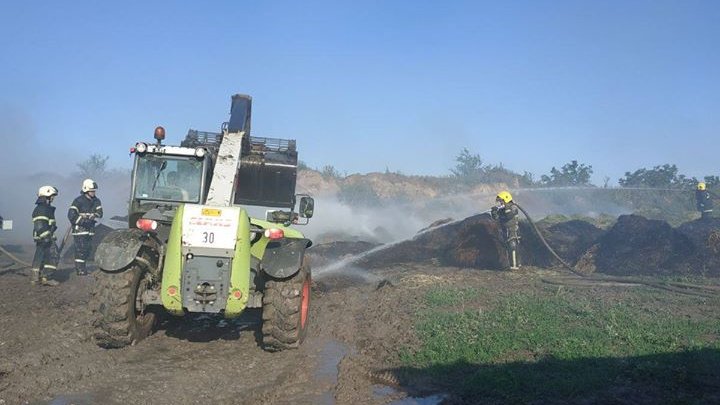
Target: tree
{"x":712,"y":181}
{"x":571,"y":174}
{"x":330,"y":172}
{"x":469,"y":166}
{"x":664,"y":176}
{"x":94,"y":166}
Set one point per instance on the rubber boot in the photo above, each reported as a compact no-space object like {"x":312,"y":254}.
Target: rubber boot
{"x":80,"y":269}
{"x":514,"y":264}
{"x":35,"y":277}
{"x":48,"y":282}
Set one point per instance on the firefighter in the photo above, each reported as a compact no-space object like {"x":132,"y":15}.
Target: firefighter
{"x":703,"y":201}
{"x":83,"y":215}
{"x":506,"y":213}
{"x":46,"y":252}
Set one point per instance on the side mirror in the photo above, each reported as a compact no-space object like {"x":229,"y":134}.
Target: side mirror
{"x":279,"y":216}
{"x":307,"y":207}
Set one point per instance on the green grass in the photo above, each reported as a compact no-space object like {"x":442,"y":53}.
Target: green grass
{"x":544,"y":344}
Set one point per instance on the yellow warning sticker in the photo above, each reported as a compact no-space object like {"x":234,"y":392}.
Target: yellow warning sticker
{"x":211,"y":212}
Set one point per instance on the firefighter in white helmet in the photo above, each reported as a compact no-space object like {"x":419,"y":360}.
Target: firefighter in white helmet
{"x":46,"y":252}
{"x":83,"y":215}
{"x":506,"y":212}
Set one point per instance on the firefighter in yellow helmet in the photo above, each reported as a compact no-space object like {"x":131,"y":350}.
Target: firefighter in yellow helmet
{"x":703,"y":201}
{"x":506,"y":213}
{"x":46,"y":252}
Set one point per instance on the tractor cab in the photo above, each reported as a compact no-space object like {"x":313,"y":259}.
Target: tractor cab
{"x":164,"y":177}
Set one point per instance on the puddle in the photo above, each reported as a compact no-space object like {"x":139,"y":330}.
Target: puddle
{"x":381,"y":391}
{"x":329,"y":359}
{"x":326,"y":373}
{"x":431,"y":400}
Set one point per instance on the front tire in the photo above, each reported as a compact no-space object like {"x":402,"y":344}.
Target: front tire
{"x":286,"y":310}
{"x":118,"y":321}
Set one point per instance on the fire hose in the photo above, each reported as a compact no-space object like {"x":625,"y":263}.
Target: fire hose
{"x":14,"y":258}
{"x":705,"y":291}
{"x":26,"y":264}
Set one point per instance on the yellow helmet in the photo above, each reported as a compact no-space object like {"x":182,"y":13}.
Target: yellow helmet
{"x":701,"y":186}
{"x":504,"y":196}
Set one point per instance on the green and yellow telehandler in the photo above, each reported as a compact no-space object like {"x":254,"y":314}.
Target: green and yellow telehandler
{"x":191,"y":246}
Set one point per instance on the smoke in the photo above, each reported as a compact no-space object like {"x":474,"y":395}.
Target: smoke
{"x":395,"y":221}
{"x":20,"y":193}
{"x":29,"y":161}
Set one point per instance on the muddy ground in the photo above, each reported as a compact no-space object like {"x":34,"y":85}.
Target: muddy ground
{"x":48,"y":357}
{"x":359,"y":320}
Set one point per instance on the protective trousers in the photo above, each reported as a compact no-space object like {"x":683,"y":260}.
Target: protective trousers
{"x":511,"y":234}
{"x":45,"y":260}
{"x":82,"y":252}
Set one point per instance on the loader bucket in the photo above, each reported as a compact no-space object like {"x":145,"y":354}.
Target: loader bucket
{"x":267,"y":173}
{"x":240,"y":114}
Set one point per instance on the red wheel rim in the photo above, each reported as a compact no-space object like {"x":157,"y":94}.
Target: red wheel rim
{"x":305,"y":304}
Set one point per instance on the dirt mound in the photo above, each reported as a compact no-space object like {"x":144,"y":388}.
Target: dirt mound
{"x":633,"y":246}
{"x":472,"y":242}
{"x":705,"y":236}
{"x":637,"y":245}
{"x":570,"y":240}
{"x":475,"y":242}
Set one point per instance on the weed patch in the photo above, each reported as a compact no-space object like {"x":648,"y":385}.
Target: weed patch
{"x":579,"y":344}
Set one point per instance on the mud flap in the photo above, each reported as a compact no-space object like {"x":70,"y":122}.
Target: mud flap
{"x":283,"y":259}
{"x":118,"y":249}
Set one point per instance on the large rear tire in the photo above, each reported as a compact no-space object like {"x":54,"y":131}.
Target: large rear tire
{"x":286,"y":310}
{"x":118,"y":321}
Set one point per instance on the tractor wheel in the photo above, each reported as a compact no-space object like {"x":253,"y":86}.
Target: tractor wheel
{"x":118,"y":320}
{"x":286,"y":306}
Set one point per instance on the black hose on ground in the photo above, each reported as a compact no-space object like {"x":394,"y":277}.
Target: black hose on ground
{"x":547,"y":245}
{"x":681,"y":288}
{"x":15,"y":258}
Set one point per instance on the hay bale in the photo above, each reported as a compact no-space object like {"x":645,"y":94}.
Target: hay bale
{"x":637,"y":245}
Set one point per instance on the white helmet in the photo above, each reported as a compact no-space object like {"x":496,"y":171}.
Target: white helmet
{"x":47,"y":191}
{"x":89,"y":185}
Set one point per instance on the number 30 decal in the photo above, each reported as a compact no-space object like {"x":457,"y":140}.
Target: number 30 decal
{"x":208,"y":237}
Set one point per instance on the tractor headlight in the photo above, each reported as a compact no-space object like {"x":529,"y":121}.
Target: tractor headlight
{"x":200,"y":152}
{"x":140,"y":147}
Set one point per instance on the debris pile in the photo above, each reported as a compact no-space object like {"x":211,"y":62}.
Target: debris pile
{"x":637,"y":245}
{"x":634,"y":245}
{"x":570,"y":240}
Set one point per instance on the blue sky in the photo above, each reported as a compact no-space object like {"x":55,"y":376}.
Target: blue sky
{"x":368,"y":85}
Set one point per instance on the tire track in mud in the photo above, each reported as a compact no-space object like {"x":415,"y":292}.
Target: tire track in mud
{"x":46,"y":353}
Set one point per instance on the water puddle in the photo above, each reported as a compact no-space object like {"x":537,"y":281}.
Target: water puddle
{"x":326,"y":372}
{"x":329,"y":359}
{"x":383,"y":391}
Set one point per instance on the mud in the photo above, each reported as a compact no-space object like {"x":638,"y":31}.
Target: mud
{"x":47,"y":355}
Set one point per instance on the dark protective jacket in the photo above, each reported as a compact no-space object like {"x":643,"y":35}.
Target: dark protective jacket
{"x":703,"y":201}
{"x":505,"y":213}
{"x":43,"y":218}
{"x":82,"y":214}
